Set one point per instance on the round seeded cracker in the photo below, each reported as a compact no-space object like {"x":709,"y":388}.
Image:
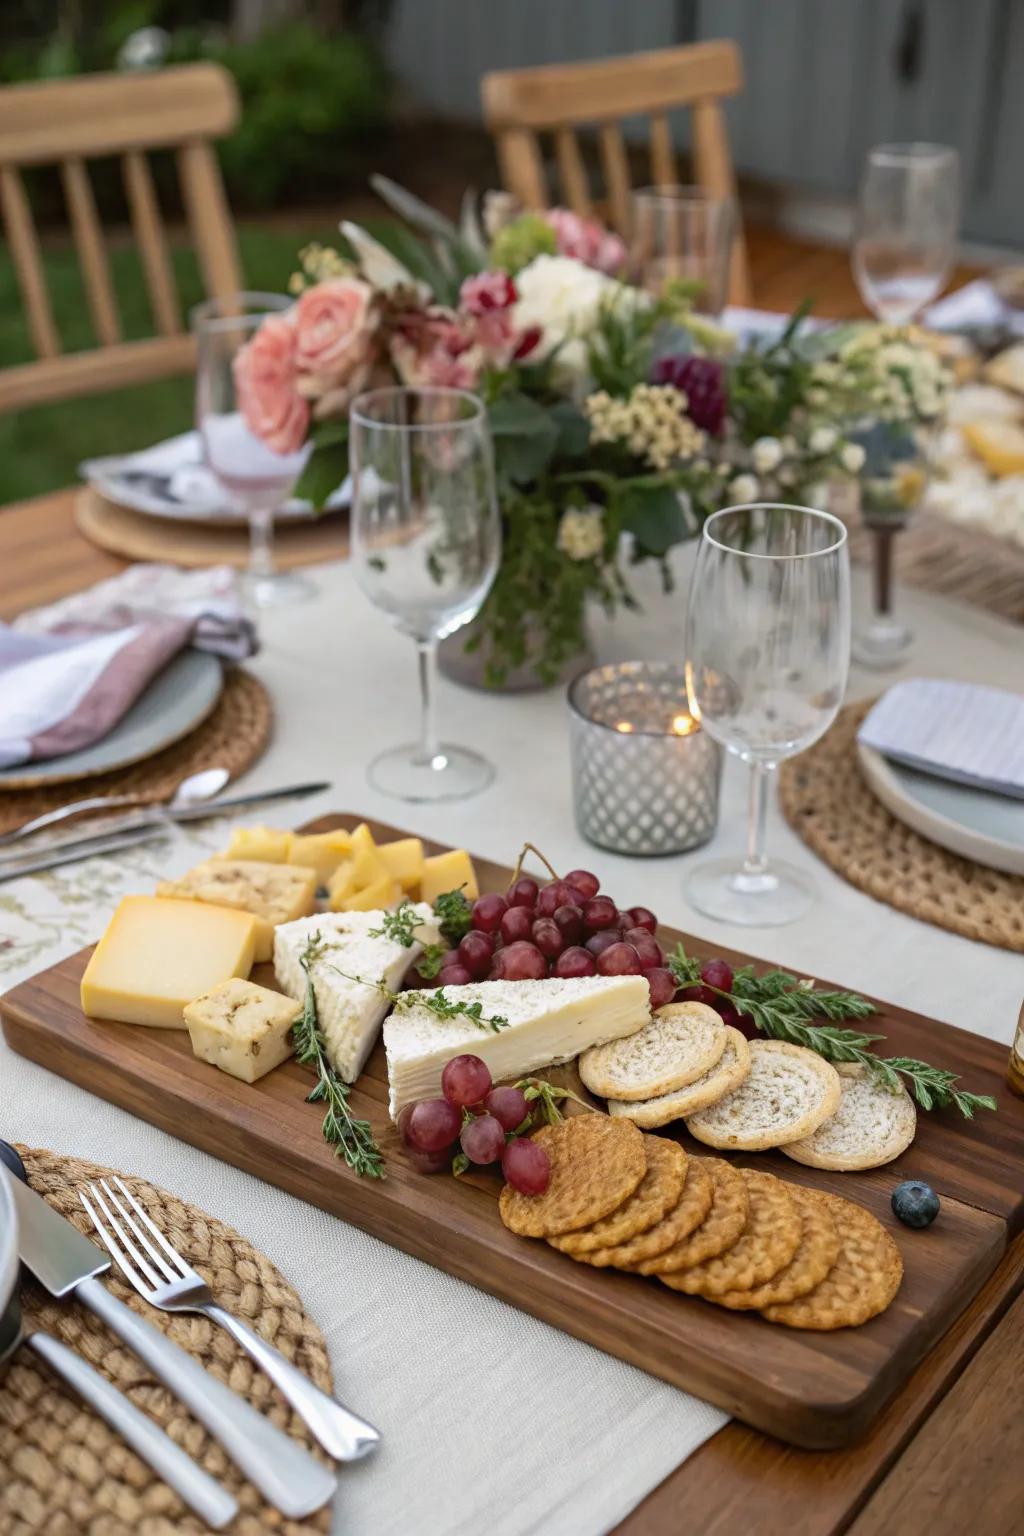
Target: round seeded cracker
{"x":656,"y":1194}
{"x":718,"y":1231}
{"x":861,"y":1283}
{"x":767,"y":1243}
{"x":594,"y":1168}
{"x":818,"y":1251}
{"x":693,"y":1205}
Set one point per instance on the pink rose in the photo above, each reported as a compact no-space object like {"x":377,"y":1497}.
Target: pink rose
{"x":267,"y":385}
{"x":586,"y":240}
{"x":436,"y":347}
{"x":334,"y":326}
{"x":487,"y":292}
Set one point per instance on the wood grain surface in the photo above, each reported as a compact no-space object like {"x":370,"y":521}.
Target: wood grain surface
{"x":816,"y":1390}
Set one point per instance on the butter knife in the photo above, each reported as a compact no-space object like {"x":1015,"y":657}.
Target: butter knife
{"x":67,"y":1264}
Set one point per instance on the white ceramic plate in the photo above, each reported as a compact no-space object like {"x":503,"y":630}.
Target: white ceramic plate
{"x":8,"y":1242}
{"x":972,"y":822}
{"x":177,"y":700}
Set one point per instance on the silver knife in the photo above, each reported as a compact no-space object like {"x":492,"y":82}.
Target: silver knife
{"x":66,"y":1264}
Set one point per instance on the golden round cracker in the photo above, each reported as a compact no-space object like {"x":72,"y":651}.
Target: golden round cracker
{"x":818,"y":1251}
{"x":718,"y":1231}
{"x":657,"y":1193}
{"x":594,"y":1168}
{"x":766,"y":1244}
{"x":861,"y":1283}
{"x":693,"y":1205}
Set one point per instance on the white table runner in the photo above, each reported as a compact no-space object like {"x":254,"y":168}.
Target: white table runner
{"x":489,"y":1418}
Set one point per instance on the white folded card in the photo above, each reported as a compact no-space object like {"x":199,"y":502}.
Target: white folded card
{"x":959,"y":731}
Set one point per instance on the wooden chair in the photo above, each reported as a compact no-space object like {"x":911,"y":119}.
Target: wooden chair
{"x":520,"y":104}
{"x":67,"y":122}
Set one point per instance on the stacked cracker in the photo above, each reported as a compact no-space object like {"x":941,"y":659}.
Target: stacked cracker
{"x":739,"y":1238}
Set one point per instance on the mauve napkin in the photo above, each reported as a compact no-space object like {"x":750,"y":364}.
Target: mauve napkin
{"x":68,"y":673}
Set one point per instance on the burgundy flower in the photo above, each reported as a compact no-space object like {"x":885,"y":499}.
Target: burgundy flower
{"x":702,"y":381}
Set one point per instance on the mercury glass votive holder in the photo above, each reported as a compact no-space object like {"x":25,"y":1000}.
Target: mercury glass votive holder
{"x":645,"y":775}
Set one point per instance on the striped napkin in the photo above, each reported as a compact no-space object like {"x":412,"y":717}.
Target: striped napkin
{"x":959,"y":731}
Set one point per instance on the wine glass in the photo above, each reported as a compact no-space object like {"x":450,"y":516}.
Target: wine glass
{"x":426,"y":539}
{"x":255,"y":480}
{"x":904,"y":243}
{"x":767,"y":657}
{"x":683,"y":235}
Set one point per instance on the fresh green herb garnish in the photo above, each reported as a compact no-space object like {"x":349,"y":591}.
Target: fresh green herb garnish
{"x":544,"y":1095}
{"x":444,"y":1007}
{"x":399,"y":924}
{"x":429,"y":963}
{"x":352,"y":1139}
{"x":454,"y":916}
{"x":785,"y":1008}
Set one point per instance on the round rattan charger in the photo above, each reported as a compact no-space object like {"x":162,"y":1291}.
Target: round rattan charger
{"x":826,"y":800}
{"x":232,"y":736}
{"x":62,"y":1470}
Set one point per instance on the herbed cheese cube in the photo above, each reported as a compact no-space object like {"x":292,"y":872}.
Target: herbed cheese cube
{"x":242,"y":1028}
{"x":320,"y":851}
{"x":273,"y":893}
{"x":265,"y":844}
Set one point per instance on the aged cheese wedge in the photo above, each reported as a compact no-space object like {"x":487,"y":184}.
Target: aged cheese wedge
{"x":319,"y":851}
{"x":266,"y":844}
{"x":447,"y":872}
{"x":273,"y":893}
{"x":404,"y":862}
{"x":352,"y":976}
{"x":157,"y":955}
{"x":548,"y":1022}
{"x":242,"y":1028}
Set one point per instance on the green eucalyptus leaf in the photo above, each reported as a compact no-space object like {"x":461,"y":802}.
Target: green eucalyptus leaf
{"x":324,"y":473}
{"x":653,"y":515}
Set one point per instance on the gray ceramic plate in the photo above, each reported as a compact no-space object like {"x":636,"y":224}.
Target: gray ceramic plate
{"x":177,"y":700}
{"x":972,"y":822}
{"x":8,"y":1242}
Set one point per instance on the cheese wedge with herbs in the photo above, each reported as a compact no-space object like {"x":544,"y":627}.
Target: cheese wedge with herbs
{"x":273,"y":893}
{"x":353,"y":972}
{"x":157,"y":955}
{"x":539,"y":1024}
{"x":242,"y":1028}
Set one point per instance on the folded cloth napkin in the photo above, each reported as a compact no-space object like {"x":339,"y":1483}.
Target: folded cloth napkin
{"x":958,"y":731}
{"x":975,"y":304}
{"x":68,"y":673}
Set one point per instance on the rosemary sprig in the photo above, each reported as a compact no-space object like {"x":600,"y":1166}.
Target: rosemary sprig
{"x":352,"y":1139}
{"x":454,"y":916}
{"x":784,"y":1008}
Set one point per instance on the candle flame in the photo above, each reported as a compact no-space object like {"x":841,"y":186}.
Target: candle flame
{"x":684,"y":725}
{"x":624,"y":726}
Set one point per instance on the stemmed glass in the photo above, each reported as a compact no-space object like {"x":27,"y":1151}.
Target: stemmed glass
{"x":904,"y":243}
{"x":255,"y":480}
{"x":426,"y":538}
{"x":684,"y":235}
{"x":768,"y":652}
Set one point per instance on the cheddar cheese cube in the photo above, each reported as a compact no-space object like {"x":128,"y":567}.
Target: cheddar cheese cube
{"x":403,"y":860}
{"x":273,"y":893}
{"x":340,"y":885}
{"x":367,"y":865}
{"x":242,"y":1028}
{"x":448,"y":872}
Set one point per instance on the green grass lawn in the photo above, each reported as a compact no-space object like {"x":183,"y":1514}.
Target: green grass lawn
{"x":41,"y":448}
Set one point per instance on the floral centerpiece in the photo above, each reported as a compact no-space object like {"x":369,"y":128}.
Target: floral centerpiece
{"x":620,"y":418}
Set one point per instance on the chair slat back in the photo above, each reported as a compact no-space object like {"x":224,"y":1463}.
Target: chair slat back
{"x":69,"y":122}
{"x":520,"y":105}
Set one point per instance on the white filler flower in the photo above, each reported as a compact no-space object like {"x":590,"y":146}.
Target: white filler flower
{"x":743,"y":489}
{"x":581,"y":533}
{"x":564,"y":298}
{"x":823,"y":439}
{"x":766,"y":454}
{"x":852,"y":458}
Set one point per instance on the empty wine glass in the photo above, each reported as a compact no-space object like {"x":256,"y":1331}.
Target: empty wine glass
{"x":255,"y":480}
{"x":683,"y":235}
{"x":426,"y":538}
{"x":767,"y":657}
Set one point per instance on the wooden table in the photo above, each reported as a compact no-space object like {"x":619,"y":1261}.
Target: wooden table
{"x":957,"y":1459}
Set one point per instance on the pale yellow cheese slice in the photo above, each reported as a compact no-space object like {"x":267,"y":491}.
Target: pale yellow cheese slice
{"x":999,"y":445}
{"x":157,"y":955}
{"x":320,"y":851}
{"x":448,"y":872}
{"x":273,"y":893}
{"x":266,"y":844}
{"x":403,"y":860}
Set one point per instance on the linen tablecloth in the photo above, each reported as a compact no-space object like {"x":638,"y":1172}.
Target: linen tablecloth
{"x":491,"y":1420}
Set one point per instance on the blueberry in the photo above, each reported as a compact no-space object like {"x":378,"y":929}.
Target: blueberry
{"x":915,"y":1203}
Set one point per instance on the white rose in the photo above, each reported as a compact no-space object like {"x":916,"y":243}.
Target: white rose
{"x":766,"y":454}
{"x":852,"y":458}
{"x":743,"y":489}
{"x":581,"y":533}
{"x":823,"y":439}
{"x":564,"y":298}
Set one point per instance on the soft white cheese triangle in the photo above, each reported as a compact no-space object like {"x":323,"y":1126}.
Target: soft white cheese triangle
{"x":548,"y":1022}
{"x":349,"y":1011}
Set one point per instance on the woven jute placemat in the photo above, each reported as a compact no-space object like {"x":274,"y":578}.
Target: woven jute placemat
{"x":232,"y":736}
{"x":956,"y":560}
{"x":62,"y":1470}
{"x":826,"y":800}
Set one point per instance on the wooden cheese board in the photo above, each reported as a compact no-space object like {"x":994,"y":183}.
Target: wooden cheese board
{"x":812,"y":1389}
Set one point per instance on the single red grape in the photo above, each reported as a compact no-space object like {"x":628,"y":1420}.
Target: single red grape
{"x":430,"y":1162}
{"x":662,"y":984}
{"x":523,"y":893}
{"x":646,"y":946}
{"x":433,"y":1125}
{"x":548,"y":937}
{"x":587,"y":884}
{"x":516,"y":924}
{"x":413,"y":981}
{"x":523,"y":962}
{"x":600,"y":912}
{"x":574,"y":897}
{"x":488,"y":912}
{"x":482,"y":1139}
{"x":497,"y":970}
{"x":508,"y":1106}
{"x":732,"y":1016}
{"x":602,"y":940}
{"x":619,"y":960}
{"x":642,"y":917}
{"x":570,"y":921}
{"x":552,"y":897}
{"x":698,"y":994}
{"x":476,"y":951}
{"x":465,"y":1080}
{"x":457,"y":975}
{"x":717,"y":973}
{"x":526,"y":1166}
{"x":576,"y":962}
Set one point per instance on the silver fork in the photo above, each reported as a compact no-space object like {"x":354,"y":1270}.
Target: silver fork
{"x":162,"y":1277}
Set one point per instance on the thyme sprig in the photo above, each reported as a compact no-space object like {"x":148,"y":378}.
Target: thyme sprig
{"x":785,"y":1008}
{"x":544,"y":1097}
{"x":351,"y":1138}
{"x":400,"y":925}
{"x":445,"y":1007}
{"x":454,"y":915}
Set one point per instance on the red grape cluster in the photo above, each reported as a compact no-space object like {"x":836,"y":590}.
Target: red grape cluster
{"x":563,"y":929}
{"x":485,"y":1122}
